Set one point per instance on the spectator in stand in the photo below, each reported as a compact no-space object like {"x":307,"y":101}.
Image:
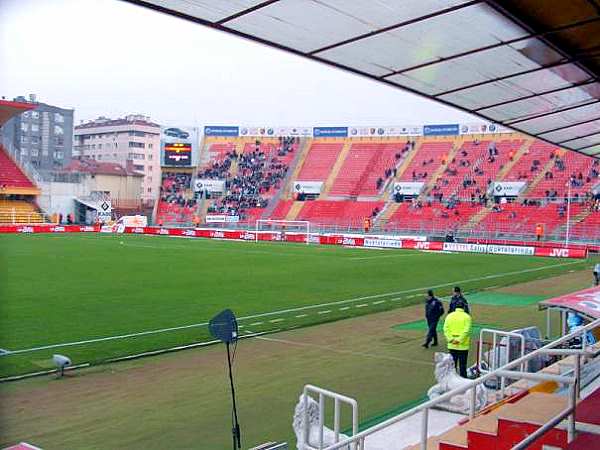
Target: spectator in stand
{"x":458,"y":299}
{"x":433,"y":311}
{"x":457,"y":330}
{"x":539,"y":231}
{"x":597,"y":274}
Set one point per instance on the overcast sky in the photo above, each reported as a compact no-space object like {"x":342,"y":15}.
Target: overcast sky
{"x":108,"y":57}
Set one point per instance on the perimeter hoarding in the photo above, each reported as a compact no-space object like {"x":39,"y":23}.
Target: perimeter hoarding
{"x":178,"y":146}
{"x":221,"y":130}
{"x":451,"y":129}
{"x":330,"y":131}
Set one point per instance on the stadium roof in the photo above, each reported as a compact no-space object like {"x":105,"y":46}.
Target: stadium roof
{"x":9,"y":109}
{"x":531,"y":65}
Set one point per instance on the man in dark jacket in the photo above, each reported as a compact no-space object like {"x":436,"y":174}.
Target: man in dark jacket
{"x":458,"y":299}
{"x":433,"y":311}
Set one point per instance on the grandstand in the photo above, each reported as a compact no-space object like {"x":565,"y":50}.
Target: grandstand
{"x":358,"y":175}
{"x":18,"y":192}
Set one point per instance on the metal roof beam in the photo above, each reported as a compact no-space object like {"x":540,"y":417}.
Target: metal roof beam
{"x":549,"y":113}
{"x":441,"y":12}
{"x":570,"y":126}
{"x":506,"y":77}
{"x":578,"y":137}
{"x":538,"y":35}
{"x":246,"y":11}
{"x":589,"y":146}
{"x":527,"y":97}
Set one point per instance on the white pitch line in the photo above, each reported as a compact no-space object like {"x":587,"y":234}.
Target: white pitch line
{"x":379,"y":302}
{"x":324,"y":312}
{"x":296,"y":309}
{"x":344,"y":308}
{"x":256,"y":323}
{"x":346,"y":352}
{"x":362,"y":305}
{"x":276,"y":320}
{"x":300,"y":316}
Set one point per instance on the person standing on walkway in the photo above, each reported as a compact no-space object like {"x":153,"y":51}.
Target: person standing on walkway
{"x":597,"y":274}
{"x":457,"y":330}
{"x":457,"y":297}
{"x":433,"y":311}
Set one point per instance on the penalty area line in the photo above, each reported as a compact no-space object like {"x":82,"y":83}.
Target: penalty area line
{"x":296,"y":309}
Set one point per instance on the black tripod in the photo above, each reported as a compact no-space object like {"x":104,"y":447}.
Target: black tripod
{"x":235,"y":430}
{"x":225,"y":328}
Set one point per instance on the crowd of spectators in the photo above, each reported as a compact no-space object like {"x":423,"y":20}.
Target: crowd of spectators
{"x":174,"y":189}
{"x":257,"y":174}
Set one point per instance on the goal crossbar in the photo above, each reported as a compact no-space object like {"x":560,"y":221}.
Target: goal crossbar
{"x":283,"y":226}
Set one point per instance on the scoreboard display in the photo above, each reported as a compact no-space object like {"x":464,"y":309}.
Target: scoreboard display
{"x":178,"y":154}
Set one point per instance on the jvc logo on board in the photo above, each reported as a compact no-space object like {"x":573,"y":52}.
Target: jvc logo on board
{"x":422,"y":245}
{"x":560,"y":252}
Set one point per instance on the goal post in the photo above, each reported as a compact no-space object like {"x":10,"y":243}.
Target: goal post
{"x":283,"y":226}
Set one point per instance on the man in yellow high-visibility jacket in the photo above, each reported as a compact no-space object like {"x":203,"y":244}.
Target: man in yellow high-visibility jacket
{"x":457,"y":330}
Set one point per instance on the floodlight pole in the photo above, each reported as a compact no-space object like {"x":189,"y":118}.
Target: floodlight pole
{"x":235,"y":430}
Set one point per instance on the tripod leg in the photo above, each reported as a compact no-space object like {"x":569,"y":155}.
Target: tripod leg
{"x":237,"y":441}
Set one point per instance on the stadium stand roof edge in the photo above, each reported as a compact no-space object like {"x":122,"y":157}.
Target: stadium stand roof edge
{"x":518,"y":63}
{"x":9,"y":109}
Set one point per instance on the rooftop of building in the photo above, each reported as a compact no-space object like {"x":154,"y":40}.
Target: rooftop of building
{"x":91,"y":166}
{"x":32,"y":100}
{"x":133,"y":119}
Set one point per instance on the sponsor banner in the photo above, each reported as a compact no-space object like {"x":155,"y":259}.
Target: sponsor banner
{"x":308,"y":187}
{"x":586,"y":302}
{"x":491,"y":248}
{"x":506,"y":188}
{"x":382,"y":243}
{"x":133,"y":221}
{"x":510,"y":250}
{"x":294,"y":131}
{"x":49,"y":229}
{"x":559,"y":252}
{"x":270,"y":131}
{"x":178,"y":145}
{"x":349,"y":241}
{"x":423,"y":245}
{"x":221,"y":218}
{"x":221,"y":130}
{"x":483,"y":128}
{"x":104,"y":211}
{"x":201,"y":185}
{"x":330,"y":131}
{"x":404,"y":130}
{"x":441,"y":130}
{"x":463,"y":247}
{"x":257,"y":131}
{"x":408,"y":187}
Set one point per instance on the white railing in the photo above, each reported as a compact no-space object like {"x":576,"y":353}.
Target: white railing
{"x":337,"y":399}
{"x":504,"y":372}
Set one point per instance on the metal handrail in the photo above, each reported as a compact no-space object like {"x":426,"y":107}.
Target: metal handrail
{"x":472,"y":384}
{"x":337,"y":398}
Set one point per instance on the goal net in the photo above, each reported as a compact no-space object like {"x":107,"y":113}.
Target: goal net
{"x":286,"y":229}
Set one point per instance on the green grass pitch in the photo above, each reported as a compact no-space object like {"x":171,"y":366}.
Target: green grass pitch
{"x":58,"y":289}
